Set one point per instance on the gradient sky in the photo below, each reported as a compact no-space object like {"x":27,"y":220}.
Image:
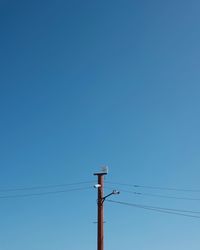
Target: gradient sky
{"x":86,"y":83}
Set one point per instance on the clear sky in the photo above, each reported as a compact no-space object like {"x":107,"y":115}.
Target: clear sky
{"x":86,"y":83}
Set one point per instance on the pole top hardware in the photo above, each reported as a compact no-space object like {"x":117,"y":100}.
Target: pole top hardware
{"x":103,"y":171}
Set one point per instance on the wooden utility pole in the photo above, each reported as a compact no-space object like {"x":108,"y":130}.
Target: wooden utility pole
{"x":100,"y":207}
{"x":100,"y":210}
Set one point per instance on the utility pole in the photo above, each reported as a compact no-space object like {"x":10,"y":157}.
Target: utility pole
{"x":100,"y":210}
{"x":100,"y":207}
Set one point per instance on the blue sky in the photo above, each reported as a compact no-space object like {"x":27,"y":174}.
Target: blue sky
{"x":86,"y":83}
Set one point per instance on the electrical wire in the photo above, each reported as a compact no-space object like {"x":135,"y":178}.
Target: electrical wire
{"x":159,"y":195}
{"x":157,"y":209}
{"x":172,"y":209}
{"x":43,"y":193}
{"x":44,"y":186}
{"x":154,"y":187}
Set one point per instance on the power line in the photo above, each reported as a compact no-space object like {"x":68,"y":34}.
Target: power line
{"x":44,"y":186}
{"x":171,"y":209}
{"x":154,"y":187}
{"x":43,"y":193}
{"x":157,"y":209}
{"x":159,"y":195}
